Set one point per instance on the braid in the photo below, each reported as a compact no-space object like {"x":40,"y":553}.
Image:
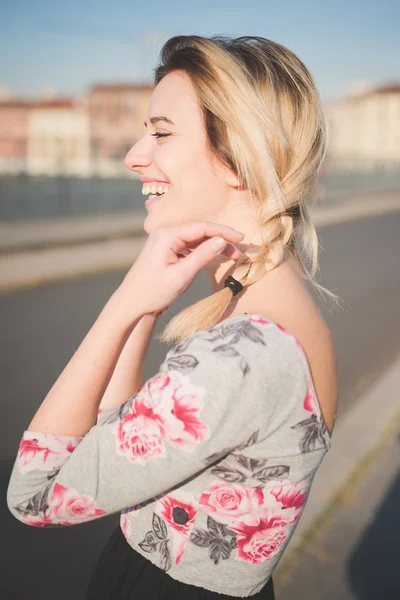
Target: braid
{"x":277,"y":235}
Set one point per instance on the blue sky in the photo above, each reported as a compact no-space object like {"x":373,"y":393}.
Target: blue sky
{"x":69,"y":46}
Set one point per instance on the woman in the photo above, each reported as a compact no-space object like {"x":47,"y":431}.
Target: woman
{"x":210,"y":461}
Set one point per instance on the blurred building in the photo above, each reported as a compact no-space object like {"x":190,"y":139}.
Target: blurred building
{"x":116,"y":116}
{"x":58,"y":139}
{"x":44,"y":137}
{"x":79,"y":137}
{"x":365,"y":129}
{"x":14,"y":124}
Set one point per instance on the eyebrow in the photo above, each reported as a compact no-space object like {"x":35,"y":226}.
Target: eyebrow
{"x":154,"y":120}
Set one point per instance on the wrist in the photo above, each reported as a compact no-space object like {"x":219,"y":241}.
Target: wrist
{"x":136,"y":311}
{"x":125,"y":315}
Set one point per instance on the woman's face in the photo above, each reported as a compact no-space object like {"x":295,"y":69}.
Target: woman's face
{"x":198,"y":185}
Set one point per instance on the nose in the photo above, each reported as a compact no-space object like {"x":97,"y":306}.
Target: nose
{"x":140,"y":155}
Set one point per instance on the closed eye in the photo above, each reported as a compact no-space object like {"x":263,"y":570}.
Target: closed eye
{"x":159,"y":135}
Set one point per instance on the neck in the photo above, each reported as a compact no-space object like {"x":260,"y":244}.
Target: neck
{"x":254,"y":298}
{"x":242,"y":216}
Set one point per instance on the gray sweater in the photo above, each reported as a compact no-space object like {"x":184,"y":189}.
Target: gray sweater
{"x":210,"y":463}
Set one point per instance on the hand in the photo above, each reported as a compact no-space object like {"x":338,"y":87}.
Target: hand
{"x":166,"y":267}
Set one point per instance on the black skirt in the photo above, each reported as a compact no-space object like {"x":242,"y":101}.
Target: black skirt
{"x":121,"y":573}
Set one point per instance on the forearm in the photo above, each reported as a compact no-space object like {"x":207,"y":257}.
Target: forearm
{"x":127,"y":377}
{"x":71,"y":406}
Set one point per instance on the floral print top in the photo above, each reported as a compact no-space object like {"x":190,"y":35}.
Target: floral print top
{"x":209,"y":464}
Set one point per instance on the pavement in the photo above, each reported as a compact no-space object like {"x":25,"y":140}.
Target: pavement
{"x":354,"y":552}
{"x":359,"y":458}
{"x":33,"y":254}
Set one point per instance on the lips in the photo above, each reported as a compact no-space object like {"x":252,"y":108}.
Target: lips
{"x":151,"y":200}
{"x":145,"y":179}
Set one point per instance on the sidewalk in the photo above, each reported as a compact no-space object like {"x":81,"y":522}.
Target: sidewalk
{"x":354,"y":556}
{"x":348,"y":489}
{"x":354,"y":553}
{"x":33,"y":253}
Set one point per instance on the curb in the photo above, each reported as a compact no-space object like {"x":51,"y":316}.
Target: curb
{"x":363,"y":208}
{"x":356,"y":442}
{"x":40,"y":234}
{"x":32,"y":269}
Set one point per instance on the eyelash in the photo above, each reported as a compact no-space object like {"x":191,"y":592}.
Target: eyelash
{"x":159,"y":135}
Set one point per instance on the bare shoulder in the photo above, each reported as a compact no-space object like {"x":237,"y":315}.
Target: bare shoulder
{"x":308,"y":326}
{"x":318,"y":345}
{"x":283,"y":297}
{"x":295,"y":309}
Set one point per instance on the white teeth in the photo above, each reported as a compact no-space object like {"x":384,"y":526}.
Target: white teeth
{"x":153,"y":189}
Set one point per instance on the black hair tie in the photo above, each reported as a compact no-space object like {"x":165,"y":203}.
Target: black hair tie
{"x":234,"y":284}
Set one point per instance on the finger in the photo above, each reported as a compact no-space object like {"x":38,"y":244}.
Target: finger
{"x":230,"y":251}
{"x":200,"y":257}
{"x":189,"y":233}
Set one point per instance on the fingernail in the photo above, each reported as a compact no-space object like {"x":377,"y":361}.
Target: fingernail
{"x":231,"y":251}
{"x":217,"y":244}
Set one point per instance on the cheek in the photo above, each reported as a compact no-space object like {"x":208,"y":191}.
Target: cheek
{"x":183,"y":163}
{"x":196,"y":192}
{"x":172,"y":156}
{"x":197,"y":187}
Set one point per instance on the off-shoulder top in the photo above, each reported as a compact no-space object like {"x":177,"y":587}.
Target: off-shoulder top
{"x":209,"y":464}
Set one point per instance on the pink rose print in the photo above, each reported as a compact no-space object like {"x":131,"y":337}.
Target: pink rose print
{"x":311,"y":401}
{"x":184,"y":428}
{"x":125,"y":525}
{"x":36,"y":521}
{"x":125,"y":518}
{"x":99,"y":413}
{"x":259,"y":543}
{"x":179,"y":549}
{"x":263,"y":321}
{"x":229,"y":503}
{"x":165,"y":408}
{"x":139,"y":438}
{"x":283,"y":329}
{"x":294,"y":497}
{"x":176,"y":402}
{"x":179,"y":510}
{"x":43,"y":452}
{"x":260,"y":321}
{"x":67,"y":506}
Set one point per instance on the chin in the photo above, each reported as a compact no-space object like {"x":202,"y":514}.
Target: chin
{"x":153,"y":221}
{"x":157,"y":219}
{"x":146,"y":228}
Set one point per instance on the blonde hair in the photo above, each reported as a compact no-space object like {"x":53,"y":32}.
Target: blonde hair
{"x":264,"y":120}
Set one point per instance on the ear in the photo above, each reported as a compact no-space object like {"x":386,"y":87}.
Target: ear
{"x":232,"y":179}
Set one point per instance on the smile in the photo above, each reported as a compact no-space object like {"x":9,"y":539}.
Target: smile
{"x":155,"y":190}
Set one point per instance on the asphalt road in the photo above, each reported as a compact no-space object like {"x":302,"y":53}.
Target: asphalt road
{"x":41,"y":329}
